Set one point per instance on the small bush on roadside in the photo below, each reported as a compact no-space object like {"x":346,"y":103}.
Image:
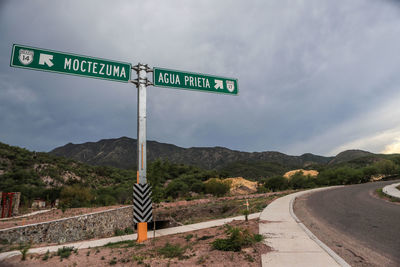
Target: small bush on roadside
{"x":171,"y":251}
{"x":188,"y":237}
{"x":46,"y":255}
{"x":113,"y":261}
{"x":64,"y":252}
{"x":237,"y":238}
{"x":123,"y":244}
{"x":118,"y":232}
{"x":24,"y":251}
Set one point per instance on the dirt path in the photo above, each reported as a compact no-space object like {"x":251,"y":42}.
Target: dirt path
{"x":195,"y":249}
{"x":349,"y":249}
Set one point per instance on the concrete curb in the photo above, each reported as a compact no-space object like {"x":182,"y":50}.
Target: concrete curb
{"x":392,"y":191}
{"x":293,"y":244}
{"x":104,"y":241}
{"x":331,"y":253}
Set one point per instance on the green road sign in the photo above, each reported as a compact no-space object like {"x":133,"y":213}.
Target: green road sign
{"x":46,"y":60}
{"x":194,"y":81}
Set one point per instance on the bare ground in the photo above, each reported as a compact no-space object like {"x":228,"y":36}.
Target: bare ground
{"x":196,"y":244}
{"x":349,"y":249}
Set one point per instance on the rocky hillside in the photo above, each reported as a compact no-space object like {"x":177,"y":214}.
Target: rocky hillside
{"x":121,"y":153}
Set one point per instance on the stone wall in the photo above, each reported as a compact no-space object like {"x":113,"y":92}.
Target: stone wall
{"x":82,"y":227}
{"x":99,"y":224}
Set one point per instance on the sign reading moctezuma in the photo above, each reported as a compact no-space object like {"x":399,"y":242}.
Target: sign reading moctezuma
{"x":66,"y":63}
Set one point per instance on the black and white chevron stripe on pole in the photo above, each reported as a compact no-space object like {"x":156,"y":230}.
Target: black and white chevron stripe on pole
{"x":142,"y":206}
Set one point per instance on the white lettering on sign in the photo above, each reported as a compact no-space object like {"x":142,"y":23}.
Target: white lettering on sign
{"x":82,"y":69}
{"x":196,"y":82}
{"x":67,"y":64}
{"x":123,"y":73}
{"x":101,"y":70}
{"x":94,"y":67}
{"x":75,"y":65}
{"x":169,"y":78}
{"x":90,"y":66}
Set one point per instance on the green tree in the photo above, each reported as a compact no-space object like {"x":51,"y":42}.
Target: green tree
{"x":276,"y":183}
{"x":75,"y":196}
{"x":176,"y":188}
{"x":217,"y":187}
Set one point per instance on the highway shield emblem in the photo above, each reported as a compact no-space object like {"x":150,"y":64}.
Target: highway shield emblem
{"x":230,"y":85}
{"x":25,"y":56}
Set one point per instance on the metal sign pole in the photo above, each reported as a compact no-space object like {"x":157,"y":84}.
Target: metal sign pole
{"x":141,"y":83}
{"x":141,"y":124}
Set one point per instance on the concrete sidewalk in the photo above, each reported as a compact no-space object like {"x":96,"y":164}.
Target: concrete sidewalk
{"x":392,"y":191}
{"x":104,"y":241}
{"x":292,"y":243}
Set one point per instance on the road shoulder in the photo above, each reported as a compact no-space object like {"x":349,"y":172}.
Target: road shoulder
{"x":347,"y":248}
{"x":291,"y":244}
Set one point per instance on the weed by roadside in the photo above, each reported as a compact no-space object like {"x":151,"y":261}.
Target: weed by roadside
{"x":46,"y":256}
{"x":64,"y":252}
{"x":171,"y":251}
{"x":381,"y":194}
{"x":123,"y":244}
{"x":113,"y":261}
{"x":24,"y":249}
{"x":126,"y":231}
{"x":237,"y":239}
{"x":138,"y":258}
{"x":188,"y":237}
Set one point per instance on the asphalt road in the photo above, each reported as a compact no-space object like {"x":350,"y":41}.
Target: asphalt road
{"x":355,"y":212}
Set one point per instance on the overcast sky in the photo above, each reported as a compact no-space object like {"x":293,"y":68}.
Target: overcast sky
{"x":316,"y":76}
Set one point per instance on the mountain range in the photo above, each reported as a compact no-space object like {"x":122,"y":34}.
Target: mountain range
{"x":121,"y":153}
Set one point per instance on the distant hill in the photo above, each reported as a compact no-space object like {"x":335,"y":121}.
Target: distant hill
{"x":121,"y":153}
{"x":350,"y":155}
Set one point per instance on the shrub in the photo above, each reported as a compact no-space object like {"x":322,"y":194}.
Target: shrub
{"x":171,"y":251}
{"x":64,"y":252}
{"x":237,"y":238}
{"x":188,"y":237}
{"x":276,"y":183}
{"x":24,"y":251}
{"x":113,"y":261}
{"x":46,"y":256}
{"x":217,"y":187}
{"x":75,"y":196}
{"x":386,"y":167}
{"x":176,"y":188}
{"x":123,"y":244}
{"x":298,"y":181}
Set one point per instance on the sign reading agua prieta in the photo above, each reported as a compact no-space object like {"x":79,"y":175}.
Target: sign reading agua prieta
{"x":194,"y":81}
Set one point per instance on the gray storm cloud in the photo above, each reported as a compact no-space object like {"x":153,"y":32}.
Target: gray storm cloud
{"x":309,"y":72}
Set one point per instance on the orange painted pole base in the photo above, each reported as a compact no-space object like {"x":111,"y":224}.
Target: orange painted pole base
{"x":141,"y":232}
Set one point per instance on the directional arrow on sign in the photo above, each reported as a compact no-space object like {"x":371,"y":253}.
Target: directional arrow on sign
{"x":219,"y":84}
{"x":46,"y":59}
